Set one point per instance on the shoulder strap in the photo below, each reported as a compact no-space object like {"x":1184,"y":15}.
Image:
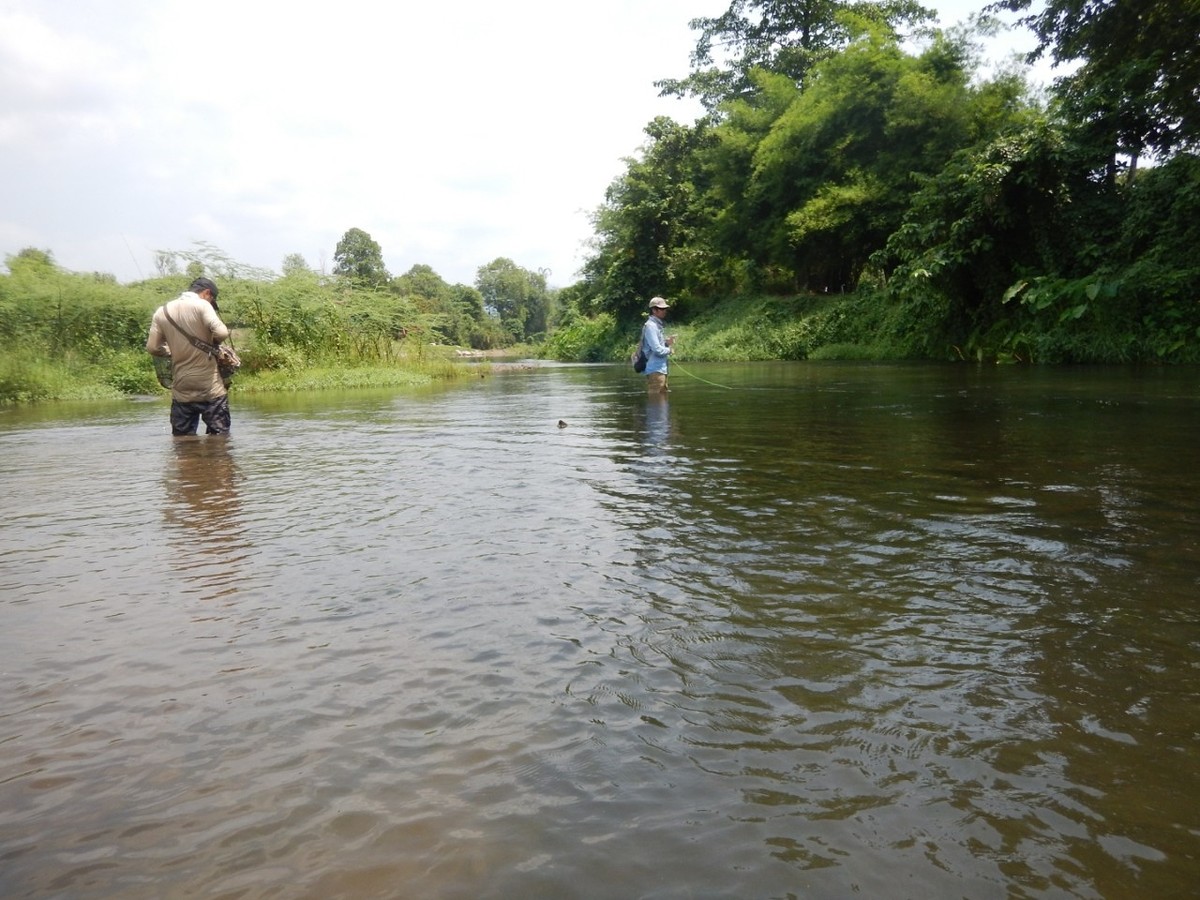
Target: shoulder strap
{"x":204,"y":346}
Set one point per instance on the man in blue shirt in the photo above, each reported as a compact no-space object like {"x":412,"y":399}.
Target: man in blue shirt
{"x":657,"y":348}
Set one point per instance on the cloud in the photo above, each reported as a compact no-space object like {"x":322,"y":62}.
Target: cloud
{"x":453,"y":132}
{"x":60,"y":89}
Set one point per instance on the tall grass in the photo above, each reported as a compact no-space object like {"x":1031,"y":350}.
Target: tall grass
{"x":70,"y":336}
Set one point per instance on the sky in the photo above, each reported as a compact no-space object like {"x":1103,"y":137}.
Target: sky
{"x":452,"y":132}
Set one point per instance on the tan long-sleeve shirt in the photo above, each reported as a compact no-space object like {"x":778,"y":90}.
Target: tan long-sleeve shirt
{"x":194,"y":373}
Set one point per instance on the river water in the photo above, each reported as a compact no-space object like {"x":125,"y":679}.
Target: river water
{"x":795,"y":630}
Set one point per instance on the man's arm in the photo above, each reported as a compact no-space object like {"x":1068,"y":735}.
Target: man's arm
{"x":156,"y":343}
{"x":215,"y":326}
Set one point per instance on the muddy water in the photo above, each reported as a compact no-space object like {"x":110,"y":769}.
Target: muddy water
{"x":877,"y":631}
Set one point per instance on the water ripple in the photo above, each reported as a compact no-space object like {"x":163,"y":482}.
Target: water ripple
{"x":439,"y":646}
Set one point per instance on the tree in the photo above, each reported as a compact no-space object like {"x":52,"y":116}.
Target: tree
{"x":783,"y":36}
{"x":295,"y":264}
{"x":1017,"y":208}
{"x":647,"y":230}
{"x":515,"y":296}
{"x":423,"y":282}
{"x":206,"y":259}
{"x":165,"y":264}
{"x":832,"y":178}
{"x":31,"y":260}
{"x":443,"y":303}
{"x":792,"y":187}
{"x":359,"y":258}
{"x":1136,"y":88}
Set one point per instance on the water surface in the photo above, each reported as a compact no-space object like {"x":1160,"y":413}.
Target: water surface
{"x":887,"y":631}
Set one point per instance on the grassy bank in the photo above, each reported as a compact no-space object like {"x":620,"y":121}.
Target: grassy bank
{"x":72,"y":336}
{"x":28,"y":377}
{"x":808,"y":326}
{"x":873,"y":325}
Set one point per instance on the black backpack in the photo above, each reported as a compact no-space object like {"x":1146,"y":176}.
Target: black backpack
{"x":639,"y":360}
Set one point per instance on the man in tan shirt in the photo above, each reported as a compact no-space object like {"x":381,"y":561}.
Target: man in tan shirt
{"x":197,"y":391}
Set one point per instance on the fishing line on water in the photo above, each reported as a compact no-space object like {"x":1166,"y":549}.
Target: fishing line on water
{"x":676,"y":365}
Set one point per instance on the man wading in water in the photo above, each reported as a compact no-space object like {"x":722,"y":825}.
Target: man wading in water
{"x":657,"y":349}
{"x":197,"y":391}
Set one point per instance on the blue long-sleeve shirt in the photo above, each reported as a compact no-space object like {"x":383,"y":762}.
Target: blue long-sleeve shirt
{"x":657,"y":350}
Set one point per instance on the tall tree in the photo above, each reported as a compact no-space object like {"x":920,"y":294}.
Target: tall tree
{"x":516,"y":296}
{"x":1137,"y":88}
{"x":649,"y":221}
{"x":165,"y":264}
{"x":295,"y":264}
{"x":784,"y":36}
{"x":831,"y":177}
{"x":360,"y":258}
{"x":439,"y":300}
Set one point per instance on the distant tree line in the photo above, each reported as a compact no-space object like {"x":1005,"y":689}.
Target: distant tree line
{"x":79,"y":335}
{"x":507,"y":304}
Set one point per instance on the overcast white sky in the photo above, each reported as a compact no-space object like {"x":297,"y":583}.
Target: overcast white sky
{"x":453,"y":132}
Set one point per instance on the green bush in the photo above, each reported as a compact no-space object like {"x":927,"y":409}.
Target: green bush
{"x":131,"y":373}
{"x":586,"y":340}
{"x":70,"y":335}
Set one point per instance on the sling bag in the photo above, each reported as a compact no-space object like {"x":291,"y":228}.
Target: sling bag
{"x":228,"y":362}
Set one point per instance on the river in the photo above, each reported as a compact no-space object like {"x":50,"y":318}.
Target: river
{"x":805,"y":630}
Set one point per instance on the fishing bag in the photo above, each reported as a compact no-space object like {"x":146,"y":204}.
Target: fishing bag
{"x":228,"y":362}
{"x":639,"y":360}
{"x":164,"y":370}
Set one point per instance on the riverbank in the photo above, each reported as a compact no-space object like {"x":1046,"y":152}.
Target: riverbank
{"x":871,"y":325}
{"x":26,"y":379}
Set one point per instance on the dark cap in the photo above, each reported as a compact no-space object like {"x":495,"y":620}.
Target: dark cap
{"x":204,"y":284}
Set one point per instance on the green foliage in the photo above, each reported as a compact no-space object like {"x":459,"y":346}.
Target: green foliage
{"x":516,"y":297}
{"x":1014,"y":253}
{"x":294,"y":264}
{"x":130,"y":372}
{"x":971,"y":222}
{"x":356,"y":377}
{"x":851,"y":326}
{"x":1136,"y":88}
{"x":834,"y":175}
{"x":581,"y":339}
{"x":302,"y":321}
{"x":360,"y":258}
{"x":67,"y":335}
{"x":807,"y":326}
{"x":649,"y":230}
{"x":784,"y":36}
{"x":454,"y":311}
{"x":790,"y":187}
{"x":55,"y":311}
{"x":1158,"y":267}
{"x":26,"y":376}
{"x":1007,"y":210}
